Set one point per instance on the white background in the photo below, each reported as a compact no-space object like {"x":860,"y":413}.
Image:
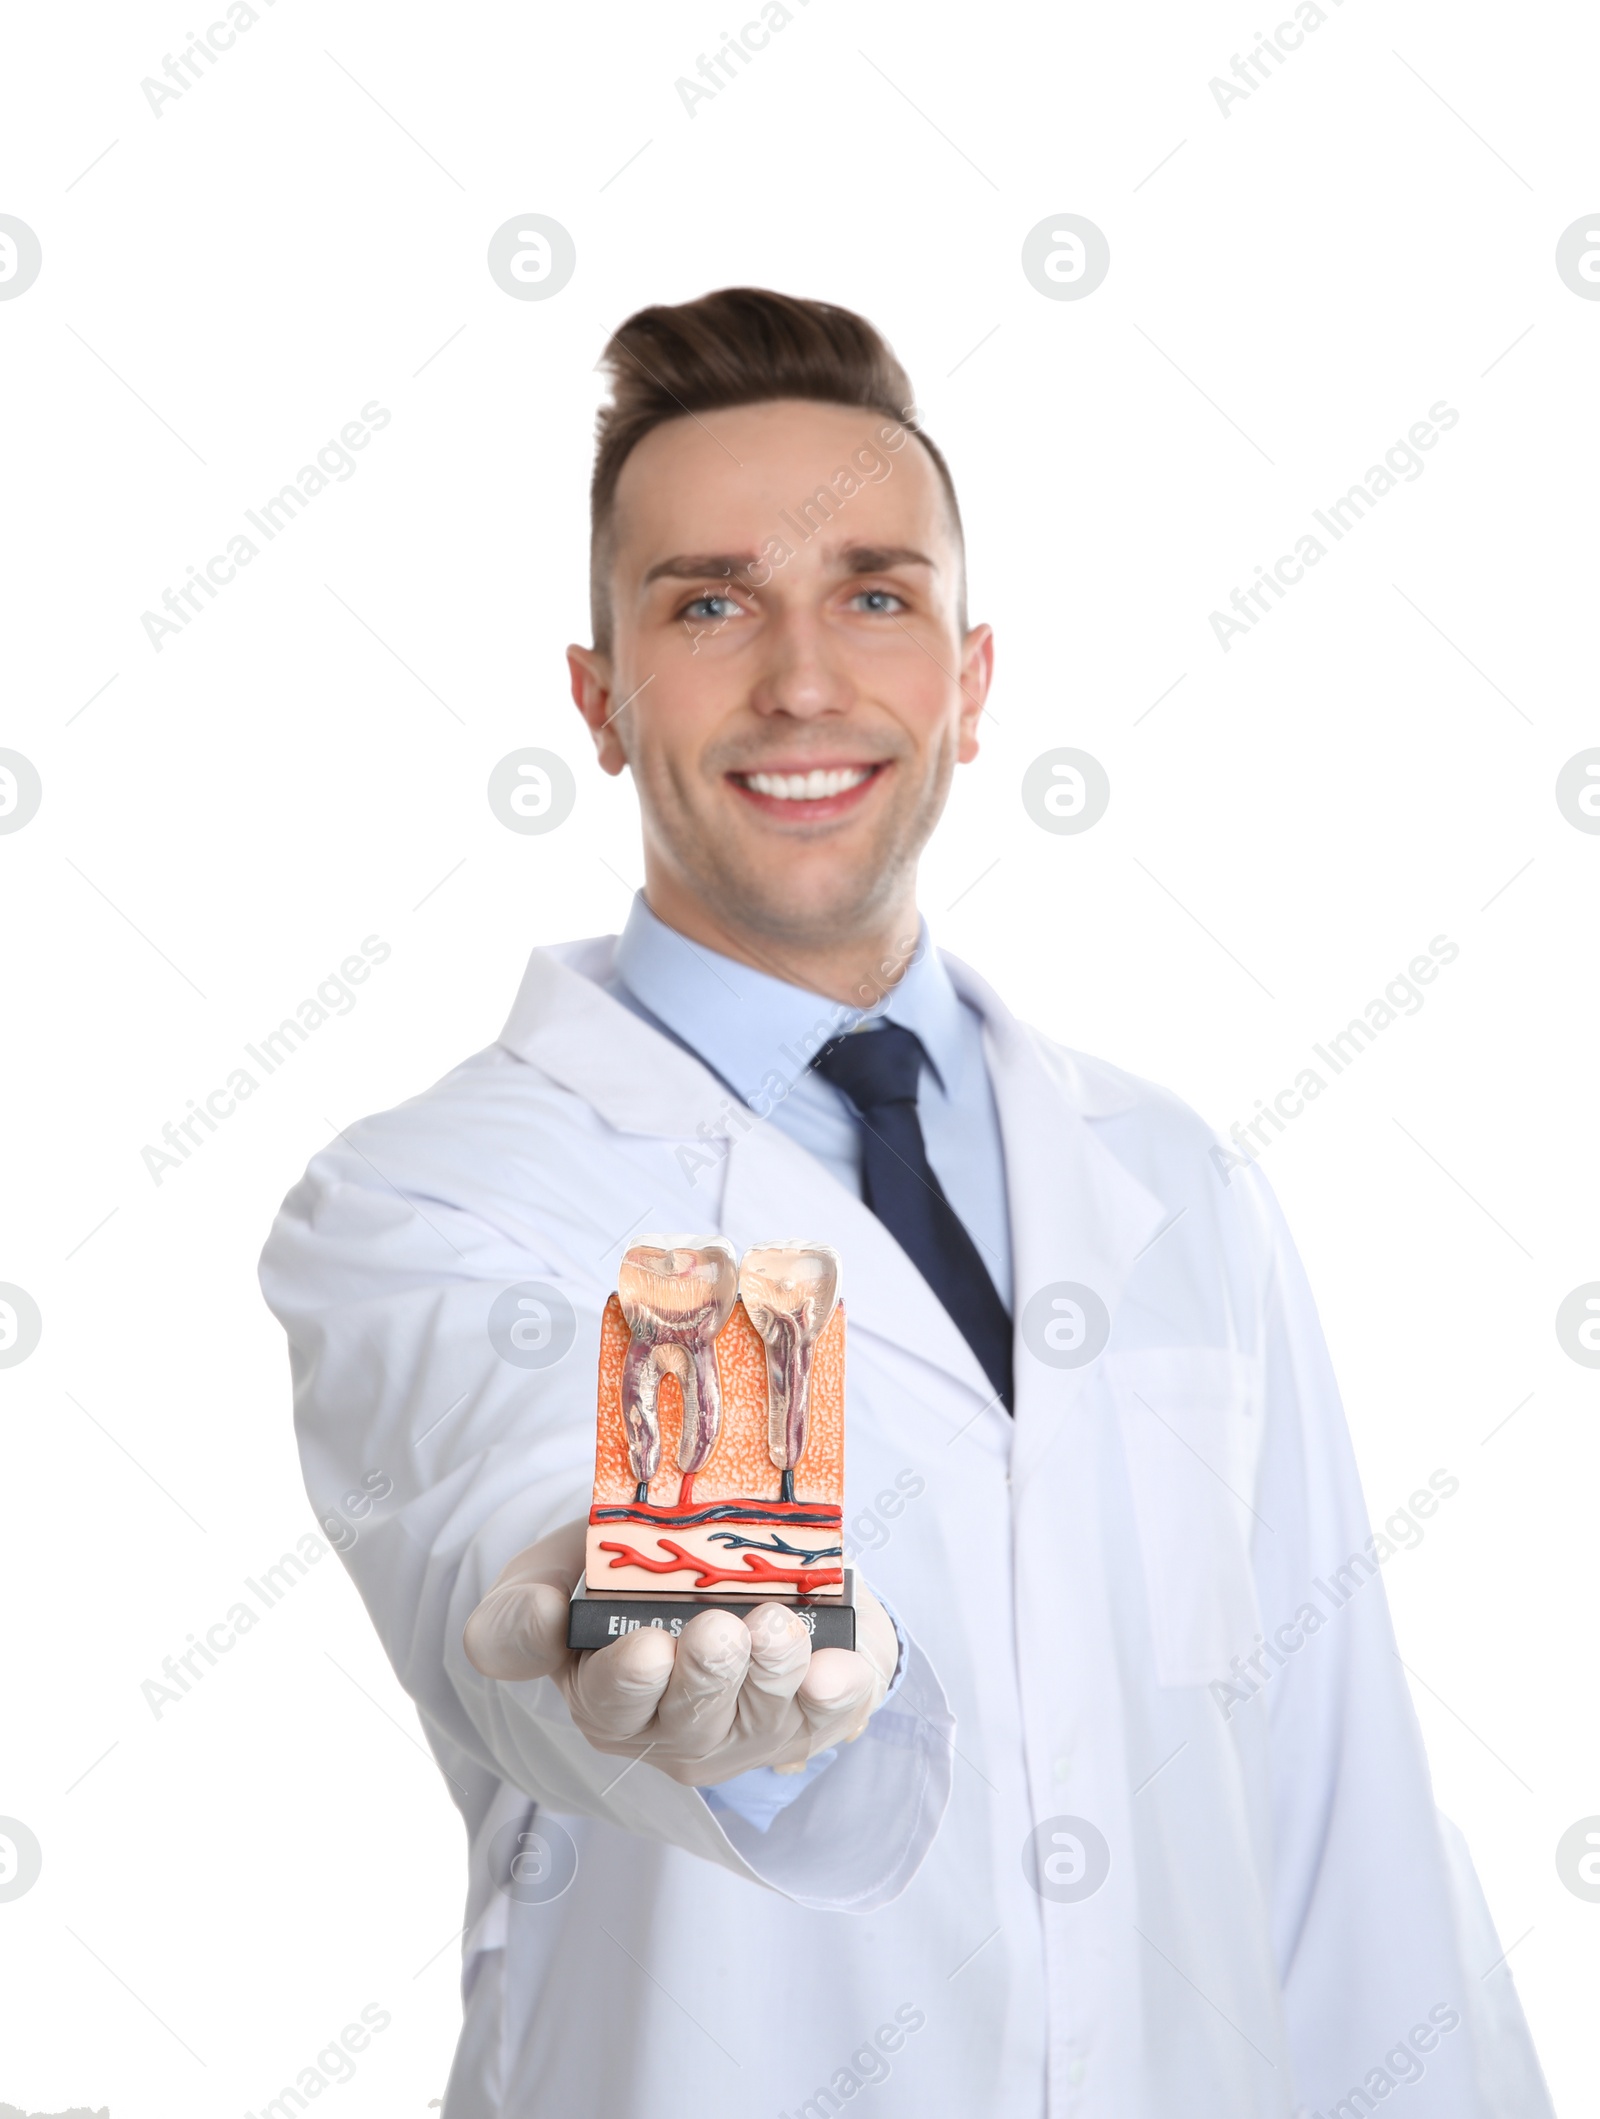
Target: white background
{"x":1374,"y":765}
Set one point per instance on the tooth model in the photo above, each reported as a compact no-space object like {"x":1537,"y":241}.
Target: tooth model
{"x":676,"y":1296}
{"x":763,"y":1388}
{"x":790,"y":1292}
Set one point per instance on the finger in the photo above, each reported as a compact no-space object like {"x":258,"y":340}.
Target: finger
{"x":613,"y":1692}
{"x":780,"y":1652}
{"x":837,"y":1695}
{"x":698,"y":1707}
{"x":519,"y":1631}
{"x":513,"y":1634}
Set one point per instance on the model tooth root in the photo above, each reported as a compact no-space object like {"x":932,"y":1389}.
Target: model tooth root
{"x":702,"y":1406}
{"x":641,"y":1385}
{"x":799,"y":1407}
{"x":788,"y":1391}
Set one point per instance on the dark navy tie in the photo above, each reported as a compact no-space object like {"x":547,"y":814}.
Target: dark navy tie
{"x":878,"y":1071}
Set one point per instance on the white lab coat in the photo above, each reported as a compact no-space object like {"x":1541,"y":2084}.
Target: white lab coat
{"x":1280,"y":1909}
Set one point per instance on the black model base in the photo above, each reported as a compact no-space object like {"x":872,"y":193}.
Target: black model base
{"x":594,"y":1622}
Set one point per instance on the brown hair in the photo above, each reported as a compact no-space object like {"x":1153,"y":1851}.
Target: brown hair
{"x":739,"y":346}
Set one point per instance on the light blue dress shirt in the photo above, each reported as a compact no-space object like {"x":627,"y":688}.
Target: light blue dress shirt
{"x":760,"y":1034}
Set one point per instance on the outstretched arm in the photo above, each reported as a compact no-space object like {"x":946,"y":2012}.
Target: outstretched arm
{"x":384,"y":1285}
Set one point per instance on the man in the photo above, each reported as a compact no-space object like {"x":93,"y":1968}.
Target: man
{"x":1112,"y":1812}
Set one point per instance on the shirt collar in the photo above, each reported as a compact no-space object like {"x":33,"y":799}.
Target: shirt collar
{"x":749,"y":1027}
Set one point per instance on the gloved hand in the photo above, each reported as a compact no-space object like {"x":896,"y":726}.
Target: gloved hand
{"x":726,"y":1695}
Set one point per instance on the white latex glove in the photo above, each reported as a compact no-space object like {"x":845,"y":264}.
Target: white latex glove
{"x":727,"y":1695}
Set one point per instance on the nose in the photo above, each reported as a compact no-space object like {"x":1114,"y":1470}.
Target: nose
{"x":802,"y":676}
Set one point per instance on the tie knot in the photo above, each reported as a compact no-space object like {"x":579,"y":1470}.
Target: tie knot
{"x":874,"y":1067}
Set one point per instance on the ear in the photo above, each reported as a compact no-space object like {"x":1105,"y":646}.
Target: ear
{"x":977,"y":673}
{"x":591,"y":694}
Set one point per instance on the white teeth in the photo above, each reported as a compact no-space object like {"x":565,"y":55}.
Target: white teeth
{"x":807,"y":787}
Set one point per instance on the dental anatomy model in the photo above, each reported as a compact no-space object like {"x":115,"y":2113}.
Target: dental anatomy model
{"x":719,"y":1442}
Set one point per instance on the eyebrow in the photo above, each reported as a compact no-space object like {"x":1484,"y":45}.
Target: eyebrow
{"x":879,"y":558}
{"x":729,"y":566}
{"x":698,"y":566}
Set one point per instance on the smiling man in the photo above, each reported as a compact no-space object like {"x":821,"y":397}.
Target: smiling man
{"x":1117,"y":1809}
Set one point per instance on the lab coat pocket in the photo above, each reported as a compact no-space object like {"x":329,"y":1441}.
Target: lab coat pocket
{"x":1190,"y":1421}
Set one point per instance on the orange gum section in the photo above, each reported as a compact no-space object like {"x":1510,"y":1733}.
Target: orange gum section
{"x":740,"y":1467}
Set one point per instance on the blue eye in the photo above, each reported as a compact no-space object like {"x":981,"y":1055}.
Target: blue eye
{"x":878,"y":601}
{"x":712,"y":607}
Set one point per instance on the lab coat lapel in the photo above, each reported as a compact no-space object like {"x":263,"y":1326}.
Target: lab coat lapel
{"x":639,"y":1081}
{"x":1076,"y":1213}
